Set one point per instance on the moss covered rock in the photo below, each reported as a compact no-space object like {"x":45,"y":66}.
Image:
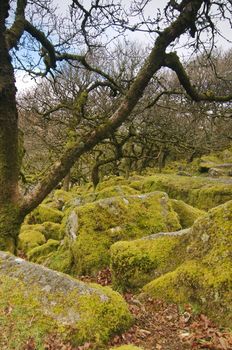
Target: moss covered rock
{"x":43,"y":250}
{"x":135,"y":263}
{"x":186,"y":213}
{"x":52,"y":230}
{"x":205,"y":278}
{"x":44,"y":213}
{"x":92,"y":196}
{"x":42,"y":302}
{"x":94,"y":227}
{"x":53,"y":254}
{"x":30,"y":239}
{"x":200,"y":192}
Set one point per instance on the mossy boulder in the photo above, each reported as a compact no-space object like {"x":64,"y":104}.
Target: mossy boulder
{"x":35,"y":227}
{"x":92,"y":196}
{"x":135,"y":263}
{"x":200,"y":192}
{"x":94,"y":227}
{"x":108,"y":192}
{"x":44,"y":213}
{"x":43,"y":250}
{"x":52,"y":230}
{"x":30,"y":239}
{"x":186,"y":213}
{"x":41,"y":302}
{"x":53,"y":254}
{"x":205,"y":278}
{"x":61,"y":197}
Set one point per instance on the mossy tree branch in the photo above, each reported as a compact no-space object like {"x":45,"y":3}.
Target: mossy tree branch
{"x":172,"y":61}
{"x":153,"y":63}
{"x":14,"y":33}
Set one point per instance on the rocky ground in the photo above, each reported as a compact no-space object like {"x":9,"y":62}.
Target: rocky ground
{"x":154,"y":238}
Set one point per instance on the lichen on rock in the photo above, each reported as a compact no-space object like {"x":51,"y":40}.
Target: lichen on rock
{"x":100,"y":224}
{"x":205,"y":277}
{"x":44,"y":301}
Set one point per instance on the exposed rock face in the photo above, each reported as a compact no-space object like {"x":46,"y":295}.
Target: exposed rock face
{"x":205,"y":277}
{"x":43,"y":301}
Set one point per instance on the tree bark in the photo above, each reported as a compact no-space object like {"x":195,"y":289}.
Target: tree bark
{"x":9,"y":155}
{"x":66,"y":181}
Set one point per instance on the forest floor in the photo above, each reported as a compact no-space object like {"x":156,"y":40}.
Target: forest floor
{"x":157,"y":326}
{"x":162,"y":326}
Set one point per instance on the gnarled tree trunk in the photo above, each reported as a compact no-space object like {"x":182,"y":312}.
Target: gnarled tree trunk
{"x":9,"y":160}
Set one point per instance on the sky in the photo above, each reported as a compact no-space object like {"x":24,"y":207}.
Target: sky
{"x":25,"y":82}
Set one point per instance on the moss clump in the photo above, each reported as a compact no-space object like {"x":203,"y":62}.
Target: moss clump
{"x":52,"y":230}
{"x":53,"y":254}
{"x":42,"y":302}
{"x":30,"y":239}
{"x":205,"y":278}
{"x":44,"y":213}
{"x":28,"y":227}
{"x":200,"y":192}
{"x":100,"y":224}
{"x":113,"y":191}
{"x":135,"y":263}
{"x":108,"y":192}
{"x":112,"y":181}
{"x":43,"y":250}
{"x":60,"y":197}
{"x":186,"y":213}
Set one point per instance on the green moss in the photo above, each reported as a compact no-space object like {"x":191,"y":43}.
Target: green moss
{"x":43,"y":250}
{"x":30,"y":239}
{"x":61,"y":197}
{"x":186,"y":213}
{"x":35,"y":227}
{"x":135,"y":263}
{"x":44,"y":213}
{"x":112,"y":181}
{"x":52,"y":230}
{"x":205,"y":278}
{"x":179,"y":286}
{"x":25,"y":319}
{"x":61,"y":260}
{"x":100,"y":224}
{"x":113,"y":191}
{"x":35,"y":305}
{"x":10,"y":222}
{"x":53,"y":254}
{"x":200,"y":192}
